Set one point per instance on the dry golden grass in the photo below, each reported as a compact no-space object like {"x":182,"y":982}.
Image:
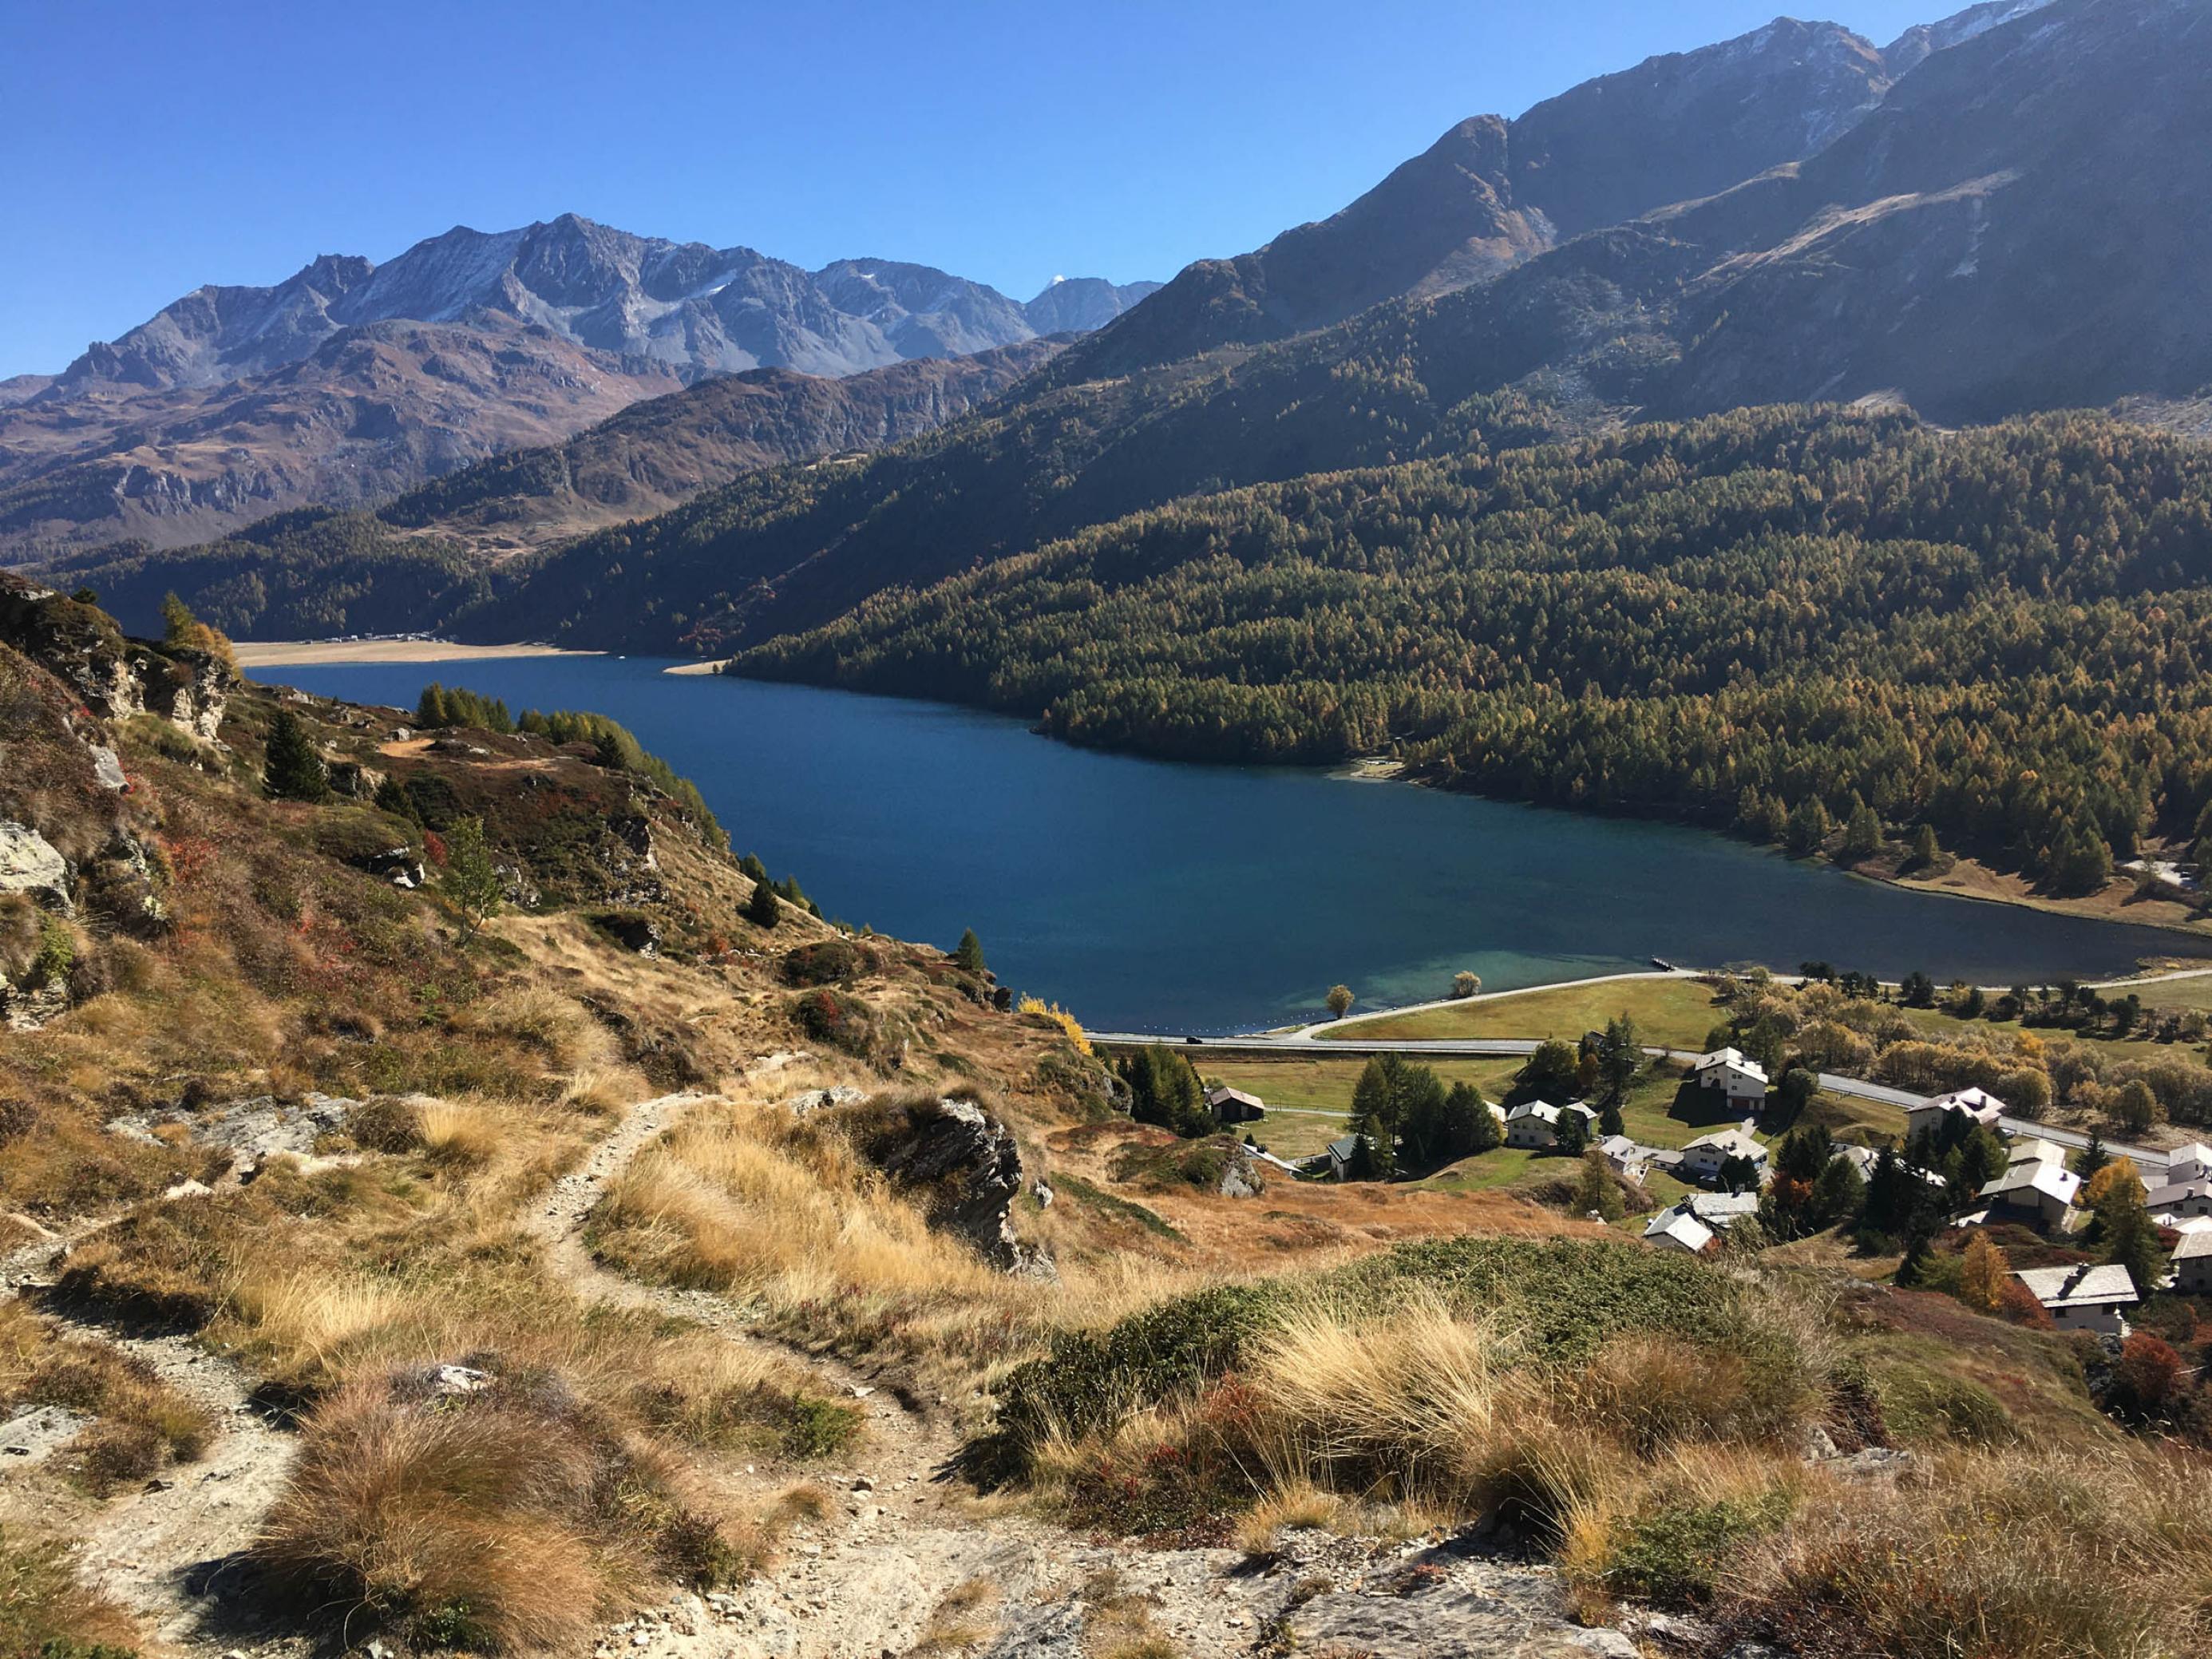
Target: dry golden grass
{"x":46,"y":1610}
{"x":1292,"y":1503}
{"x":458,"y":1135}
{"x":559,"y":1030}
{"x":964,"y":1617}
{"x":510,"y":1520}
{"x":138,"y":1423}
{"x":2019,"y":1555}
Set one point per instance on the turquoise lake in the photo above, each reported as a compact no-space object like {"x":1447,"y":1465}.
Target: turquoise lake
{"x":1157,"y":896}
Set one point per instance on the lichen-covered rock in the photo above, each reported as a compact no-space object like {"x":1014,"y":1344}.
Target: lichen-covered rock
{"x":255,"y":1128}
{"x":27,"y":1009}
{"x":30,"y":864}
{"x":119,"y":888}
{"x":1240,"y":1174}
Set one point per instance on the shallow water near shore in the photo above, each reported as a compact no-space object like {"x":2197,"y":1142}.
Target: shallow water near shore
{"x":1157,"y":896}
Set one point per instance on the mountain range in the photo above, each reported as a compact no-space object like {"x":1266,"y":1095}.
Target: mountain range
{"x":350,"y":382}
{"x":1997,"y":213}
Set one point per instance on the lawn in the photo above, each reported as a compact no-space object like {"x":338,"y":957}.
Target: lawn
{"x":1296,"y":1082}
{"x":1296,"y":1135}
{"x":1297,"y":1089}
{"x":1674,"y":1013}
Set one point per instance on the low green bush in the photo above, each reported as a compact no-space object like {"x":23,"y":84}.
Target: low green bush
{"x":1565,"y":1299}
{"x":1675,"y":1557}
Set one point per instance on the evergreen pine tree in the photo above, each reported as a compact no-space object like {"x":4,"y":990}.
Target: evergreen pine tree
{"x":762,"y":909}
{"x":968,"y":955}
{"x":1861,"y":834}
{"x":1483,"y":1132}
{"x":293,"y":770}
{"x":1918,"y":1257}
{"x":392,"y":797}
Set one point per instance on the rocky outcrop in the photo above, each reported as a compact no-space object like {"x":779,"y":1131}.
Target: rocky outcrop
{"x":29,"y":864}
{"x":964,"y":1167}
{"x":119,"y":888}
{"x":199,"y":688}
{"x":250,"y":1130}
{"x":1240,"y":1174}
{"x":115,"y":678}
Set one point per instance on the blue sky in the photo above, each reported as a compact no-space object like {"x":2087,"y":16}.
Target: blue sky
{"x":154,"y":146}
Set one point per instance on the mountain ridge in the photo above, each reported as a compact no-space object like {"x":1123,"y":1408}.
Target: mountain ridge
{"x":350,"y":382}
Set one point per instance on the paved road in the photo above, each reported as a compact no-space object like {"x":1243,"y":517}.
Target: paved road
{"x":2150,"y":1163}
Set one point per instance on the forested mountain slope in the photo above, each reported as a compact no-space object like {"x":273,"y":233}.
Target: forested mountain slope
{"x":1999,"y":632}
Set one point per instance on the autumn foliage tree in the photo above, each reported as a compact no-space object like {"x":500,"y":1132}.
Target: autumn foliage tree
{"x":1983,"y":1275}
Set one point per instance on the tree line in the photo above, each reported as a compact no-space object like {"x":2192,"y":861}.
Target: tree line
{"x":1791,"y":623}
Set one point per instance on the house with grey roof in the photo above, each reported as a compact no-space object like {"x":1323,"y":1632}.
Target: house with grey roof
{"x":2178,"y":1201}
{"x":2193,"y":1263}
{"x":2092,"y":1297}
{"x":2190,"y":1163}
{"x":1979,"y":1105}
{"x":1675,"y":1229}
{"x":1707,"y":1215}
{"x":1533,"y":1124}
{"x":1623,"y":1156}
{"x":1731,"y":1074}
{"x":2035,"y":1193}
{"x":1703,"y":1157}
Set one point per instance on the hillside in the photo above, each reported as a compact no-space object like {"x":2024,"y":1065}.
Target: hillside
{"x":437,"y":1195}
{"x":350,"y":382}
{"x":370,"y":412}
{"x":1997,"y":632}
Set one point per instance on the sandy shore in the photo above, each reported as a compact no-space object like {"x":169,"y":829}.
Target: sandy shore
{"x":712,"y":667}
{"x":287,"y":653}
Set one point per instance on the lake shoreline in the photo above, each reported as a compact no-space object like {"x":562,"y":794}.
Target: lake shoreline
{"x":2095,"y":908}
{"x":1382,"y":769}
{"x":1223,"y":898}
{"x":339,"y":654}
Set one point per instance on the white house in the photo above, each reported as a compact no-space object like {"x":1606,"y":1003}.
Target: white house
{"x":1709,"y":1213}
{"x":1978,"y":1104}
{"x":1703,"y":1157}
{"x":1234,"y":1106}
{"x":2193,"y":1263}
{"x":1535,"y":1123}
{"x":1676,"y":1229}
{"x":1623,"y":1156}
{"x":2190,"y":1163}
{"x":1727,"y":1073}
{"x":2030,"y":1190}
{"x":2032,"y":1150}
{"x":2178,"y":1201}
{"x":2083,"y":1298}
